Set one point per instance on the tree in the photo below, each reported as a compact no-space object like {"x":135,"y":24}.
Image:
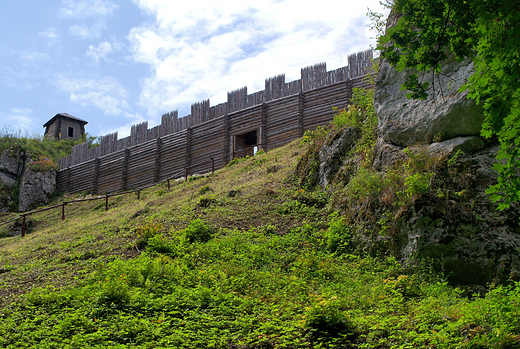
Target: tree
{"x":488,"y":32}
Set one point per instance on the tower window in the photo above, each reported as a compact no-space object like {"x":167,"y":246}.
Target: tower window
{"x":71,"y":132}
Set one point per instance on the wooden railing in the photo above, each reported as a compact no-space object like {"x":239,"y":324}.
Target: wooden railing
{"x":177,"y":175}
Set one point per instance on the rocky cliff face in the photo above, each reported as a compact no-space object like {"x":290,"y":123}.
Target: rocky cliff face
{"x":36,"y":189}
{"x":456,"y":225}
{"x":32,"y":189}
{"x":11,"y":168}
{"x":444,"y":115}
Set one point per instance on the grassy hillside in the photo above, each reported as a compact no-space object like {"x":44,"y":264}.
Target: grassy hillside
{"x":239,"y":259}
{"x":244,"y":258}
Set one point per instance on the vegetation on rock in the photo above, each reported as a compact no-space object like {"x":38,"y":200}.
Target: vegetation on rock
{"x":488,"y":32}
{"x":36,"y":146}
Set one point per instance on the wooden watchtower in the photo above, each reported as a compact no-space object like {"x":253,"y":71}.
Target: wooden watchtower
{"x":65,"y":126}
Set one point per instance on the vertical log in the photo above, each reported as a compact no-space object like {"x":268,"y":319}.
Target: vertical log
{"x":124,"y":171}
{"x":57,"y":128}
{"x":187,"y":160}
{"x":300,"y":114}
{"x":157,"y":168}
{"x":68,"y":179}
{"x":95,"y":177}
{"x":226,"y":139}
{"x":264,"y":126}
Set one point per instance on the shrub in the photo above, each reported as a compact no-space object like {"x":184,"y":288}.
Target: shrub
{"x":115,"y":292}
{"x":364,"y":184}
{"x":206,"y":201}
{"x":338,"y":237}
{"x":197,"y":231}
{"x":160,"y":244}
{"x":325,"y":321}
{"x":43,"y":164}
{"x":204,"y":190}
{"x":146,"y":232}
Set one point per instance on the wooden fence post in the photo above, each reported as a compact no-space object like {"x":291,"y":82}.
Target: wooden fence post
{"x":106,"y":202}
{"x":349,"y":91}
{"x":187,"y":160}
{"x":63,"y":210}
{"x":96,"y":176}
{"x":124,"y":170}
{"x":300,"y":114}
{"x":68,"y":179}
{"x":226,"y":139}
{"x":264,"y":126}
{"x":157,"y":169}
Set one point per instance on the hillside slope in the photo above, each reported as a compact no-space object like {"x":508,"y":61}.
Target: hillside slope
{"x":243,"y":258}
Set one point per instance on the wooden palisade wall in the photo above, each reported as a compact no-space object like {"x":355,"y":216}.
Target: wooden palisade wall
{"x":280,"y":113}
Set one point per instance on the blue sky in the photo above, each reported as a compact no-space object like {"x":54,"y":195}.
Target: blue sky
{"x":117,"y":63}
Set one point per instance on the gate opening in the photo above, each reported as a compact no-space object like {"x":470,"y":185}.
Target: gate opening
{"x":245,"y":144}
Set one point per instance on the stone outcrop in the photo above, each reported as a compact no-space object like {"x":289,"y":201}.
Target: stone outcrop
{"x":11,"y":166}
{"x":444,"y":115}
{"x":467,"y":145}
{"x":331,"y":155}
{"x":455,"y":225}
{"x":36,"y":189}
{"x":459,"y":229}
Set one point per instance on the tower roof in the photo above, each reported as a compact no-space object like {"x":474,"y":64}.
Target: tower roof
{"x":65,"y":115}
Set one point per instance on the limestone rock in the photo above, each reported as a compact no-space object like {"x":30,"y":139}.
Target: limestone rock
{"x":7,"y":180}
{"x":11,"y":162}
{"x":387,"y":154}
{"x":331,"y":156}
{"x":445,"y":114}
{"x":36,"y":189}
{"x":468,"y":145}
{"x":460,"y":229}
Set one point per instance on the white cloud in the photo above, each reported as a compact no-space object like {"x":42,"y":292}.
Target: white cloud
{"x":50,"y":36}
{"x":49,"y":33}
{"x":96,"y":10}
{"x":82,"y":9}
{"x":88,"y":32}
{"x":203,"y":49}
{"x":101,"y":51}
{"x":34,"y":58}
{"x":106,"y":93}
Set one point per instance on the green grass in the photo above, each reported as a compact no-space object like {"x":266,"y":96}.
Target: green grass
{"x":244,"y":258}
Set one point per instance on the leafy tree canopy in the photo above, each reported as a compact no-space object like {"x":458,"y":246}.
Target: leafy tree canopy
{"x":488,"y":32}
